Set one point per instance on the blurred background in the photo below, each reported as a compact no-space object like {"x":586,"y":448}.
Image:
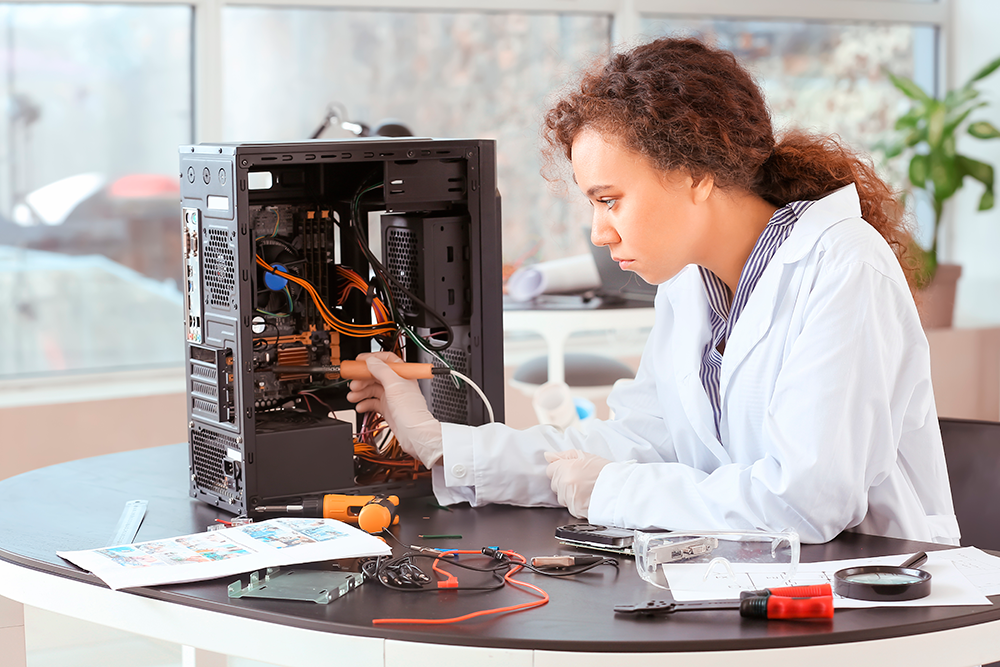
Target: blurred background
{"x":96,"y":97}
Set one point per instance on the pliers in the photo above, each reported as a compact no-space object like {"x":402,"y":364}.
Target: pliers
{"x":787,"y":602}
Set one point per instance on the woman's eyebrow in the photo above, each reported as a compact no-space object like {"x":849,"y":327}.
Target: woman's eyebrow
{"x":597,"y":189}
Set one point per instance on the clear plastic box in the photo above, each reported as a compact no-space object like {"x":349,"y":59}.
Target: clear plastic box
{"x":706,"y":560}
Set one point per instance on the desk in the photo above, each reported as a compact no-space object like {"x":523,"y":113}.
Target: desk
{"x":76,"y":505}
{"x":557,"y":318}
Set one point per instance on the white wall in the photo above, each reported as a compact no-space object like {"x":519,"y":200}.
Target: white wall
{"x":972,"y":238}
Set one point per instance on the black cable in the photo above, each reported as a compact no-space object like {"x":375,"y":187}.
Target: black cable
{"x":386,"y":277}
{"x":570,"y":570}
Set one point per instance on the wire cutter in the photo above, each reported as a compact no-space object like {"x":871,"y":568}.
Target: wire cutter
{"x":787,"y":602}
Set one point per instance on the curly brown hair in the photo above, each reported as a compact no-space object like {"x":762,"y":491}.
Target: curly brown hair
{"x":687,"y":106}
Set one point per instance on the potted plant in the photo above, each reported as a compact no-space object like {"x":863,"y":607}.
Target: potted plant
{"x":927,"y":134}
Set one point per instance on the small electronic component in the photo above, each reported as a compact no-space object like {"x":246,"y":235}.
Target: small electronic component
{"x":677,"y":551}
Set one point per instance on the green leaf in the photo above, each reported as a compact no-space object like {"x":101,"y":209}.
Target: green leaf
{"x":915,"y":137}
{"x":960,"y":96}
{"x":984,"y":130}
{"x":919,"y":170}
{"x":955,"y":121}
{"x":936,"y":123}
{"x":908,"y":87}
{"x":909,"y":119}
{"x":985,"y":71}
{"x":944,"y":174}
{"x":980,"y":171}
{"x":893,"y":149}
{"x":986,"y":202}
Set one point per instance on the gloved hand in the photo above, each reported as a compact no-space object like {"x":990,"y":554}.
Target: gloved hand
{"x":574,"y":474}
{"x":402,"y":405}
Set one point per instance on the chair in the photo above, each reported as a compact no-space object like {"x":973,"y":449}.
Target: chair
{"x":589,"y":376}
{"x":972,"y":451}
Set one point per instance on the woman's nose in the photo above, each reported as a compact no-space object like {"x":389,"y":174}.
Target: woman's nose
{"x":601,"y":233}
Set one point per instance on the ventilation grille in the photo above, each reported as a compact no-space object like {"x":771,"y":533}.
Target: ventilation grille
{"x":204,"y":372}
{"x":205,"y":388}
{"x":208,"y":450}
{"x":448,"y":402}
{"x":220,"y":269}
{"x":401,"y":262}
{"x":209,"y":408}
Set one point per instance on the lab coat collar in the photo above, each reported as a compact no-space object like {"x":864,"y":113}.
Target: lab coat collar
{"x":757,"y":315}
{"x":684,"y":295}
{"x":840,"y":204}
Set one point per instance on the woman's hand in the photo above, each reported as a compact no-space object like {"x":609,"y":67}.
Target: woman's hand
{"x":402,"y":405}
{"x":574,"y":474}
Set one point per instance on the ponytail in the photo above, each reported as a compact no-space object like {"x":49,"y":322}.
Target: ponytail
{"x":805,"y":167}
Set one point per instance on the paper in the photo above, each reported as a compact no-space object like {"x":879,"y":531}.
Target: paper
{"x":570,"y":274}
{"x":950,"y":570}
{"x":220,"y":553}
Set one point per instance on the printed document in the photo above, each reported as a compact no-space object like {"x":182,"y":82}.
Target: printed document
{"x":220,"y":553}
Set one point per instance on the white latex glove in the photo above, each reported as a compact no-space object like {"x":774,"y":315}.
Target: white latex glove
{"x":574,"y":474}
{"x":402,"y":405}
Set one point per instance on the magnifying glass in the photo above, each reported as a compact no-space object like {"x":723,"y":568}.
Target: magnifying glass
{"x":884,"y":583}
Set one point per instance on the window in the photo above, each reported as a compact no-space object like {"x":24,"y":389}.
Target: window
{"x":99,"y":98}
{"x":442,"y":74}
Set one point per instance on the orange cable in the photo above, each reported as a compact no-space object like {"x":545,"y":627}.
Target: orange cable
{"x":507,"y":578}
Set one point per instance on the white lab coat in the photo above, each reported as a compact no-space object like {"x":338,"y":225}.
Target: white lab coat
{"x":828,"y":418}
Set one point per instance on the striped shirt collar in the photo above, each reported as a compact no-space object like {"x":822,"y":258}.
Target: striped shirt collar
{"x":725,"y":308}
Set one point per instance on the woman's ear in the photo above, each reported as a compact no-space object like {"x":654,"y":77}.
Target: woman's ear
{"x":702,"y":189}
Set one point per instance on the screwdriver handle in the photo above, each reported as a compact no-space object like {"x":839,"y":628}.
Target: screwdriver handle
{"x":815,"y":590}
{"x":353,"y":369}
{"x":370,"y":513}
{"x":777,"y":606}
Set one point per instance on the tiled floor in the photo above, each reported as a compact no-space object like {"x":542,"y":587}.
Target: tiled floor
{"x":54,"y":640}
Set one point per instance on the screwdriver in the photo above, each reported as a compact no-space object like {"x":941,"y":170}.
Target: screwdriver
{"x":371,"y":513}
{"x":358,"y":370}
{"x":770,"y":605}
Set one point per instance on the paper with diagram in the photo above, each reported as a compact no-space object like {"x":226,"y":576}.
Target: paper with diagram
{"x":220,"y":553}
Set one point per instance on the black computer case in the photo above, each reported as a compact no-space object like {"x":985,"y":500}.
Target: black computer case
{"x":426,"y":209}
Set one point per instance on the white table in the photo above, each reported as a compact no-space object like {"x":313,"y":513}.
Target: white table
{"x":556,"y":325}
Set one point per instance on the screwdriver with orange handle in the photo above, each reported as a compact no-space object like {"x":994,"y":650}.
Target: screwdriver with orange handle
{"x":350,"y":369}
{"x":372,"y":514}
{"x":789,"y":602}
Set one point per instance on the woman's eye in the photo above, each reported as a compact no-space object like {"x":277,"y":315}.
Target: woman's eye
{"x":610,"y":203}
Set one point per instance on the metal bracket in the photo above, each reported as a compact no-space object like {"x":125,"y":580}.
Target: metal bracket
{"x":317,"y":586}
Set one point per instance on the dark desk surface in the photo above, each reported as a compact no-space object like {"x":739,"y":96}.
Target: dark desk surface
{"x":76,"y":505}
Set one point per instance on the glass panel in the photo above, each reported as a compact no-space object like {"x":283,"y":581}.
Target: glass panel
{"x":98,"y":97}
{"x":442,"y":74}
{"x":825,"y":77}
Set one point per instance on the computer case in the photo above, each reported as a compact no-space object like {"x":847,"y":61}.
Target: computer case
{"x":274,"y":235}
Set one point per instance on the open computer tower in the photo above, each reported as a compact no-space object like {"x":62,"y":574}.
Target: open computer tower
{"x":300,"y":255}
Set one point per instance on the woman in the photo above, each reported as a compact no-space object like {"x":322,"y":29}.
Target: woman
{"x":786,"y":382}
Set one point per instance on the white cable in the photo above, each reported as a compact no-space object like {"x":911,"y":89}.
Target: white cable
{"x":486,"y":401}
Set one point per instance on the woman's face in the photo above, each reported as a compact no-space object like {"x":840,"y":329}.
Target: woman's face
{"x":653,"y":223}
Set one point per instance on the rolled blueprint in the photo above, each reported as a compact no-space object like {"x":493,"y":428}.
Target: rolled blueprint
{"x":569,"y":274}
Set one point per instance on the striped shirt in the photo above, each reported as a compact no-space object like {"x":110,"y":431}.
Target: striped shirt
{"x":724,"y":312}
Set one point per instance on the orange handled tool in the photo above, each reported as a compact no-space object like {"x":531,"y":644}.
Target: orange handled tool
{"x":370,"y":513}
{"x":358,"y":370}
{"x":352,"y":369}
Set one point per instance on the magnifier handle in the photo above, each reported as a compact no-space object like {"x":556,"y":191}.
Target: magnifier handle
{"x":776,"y":606}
